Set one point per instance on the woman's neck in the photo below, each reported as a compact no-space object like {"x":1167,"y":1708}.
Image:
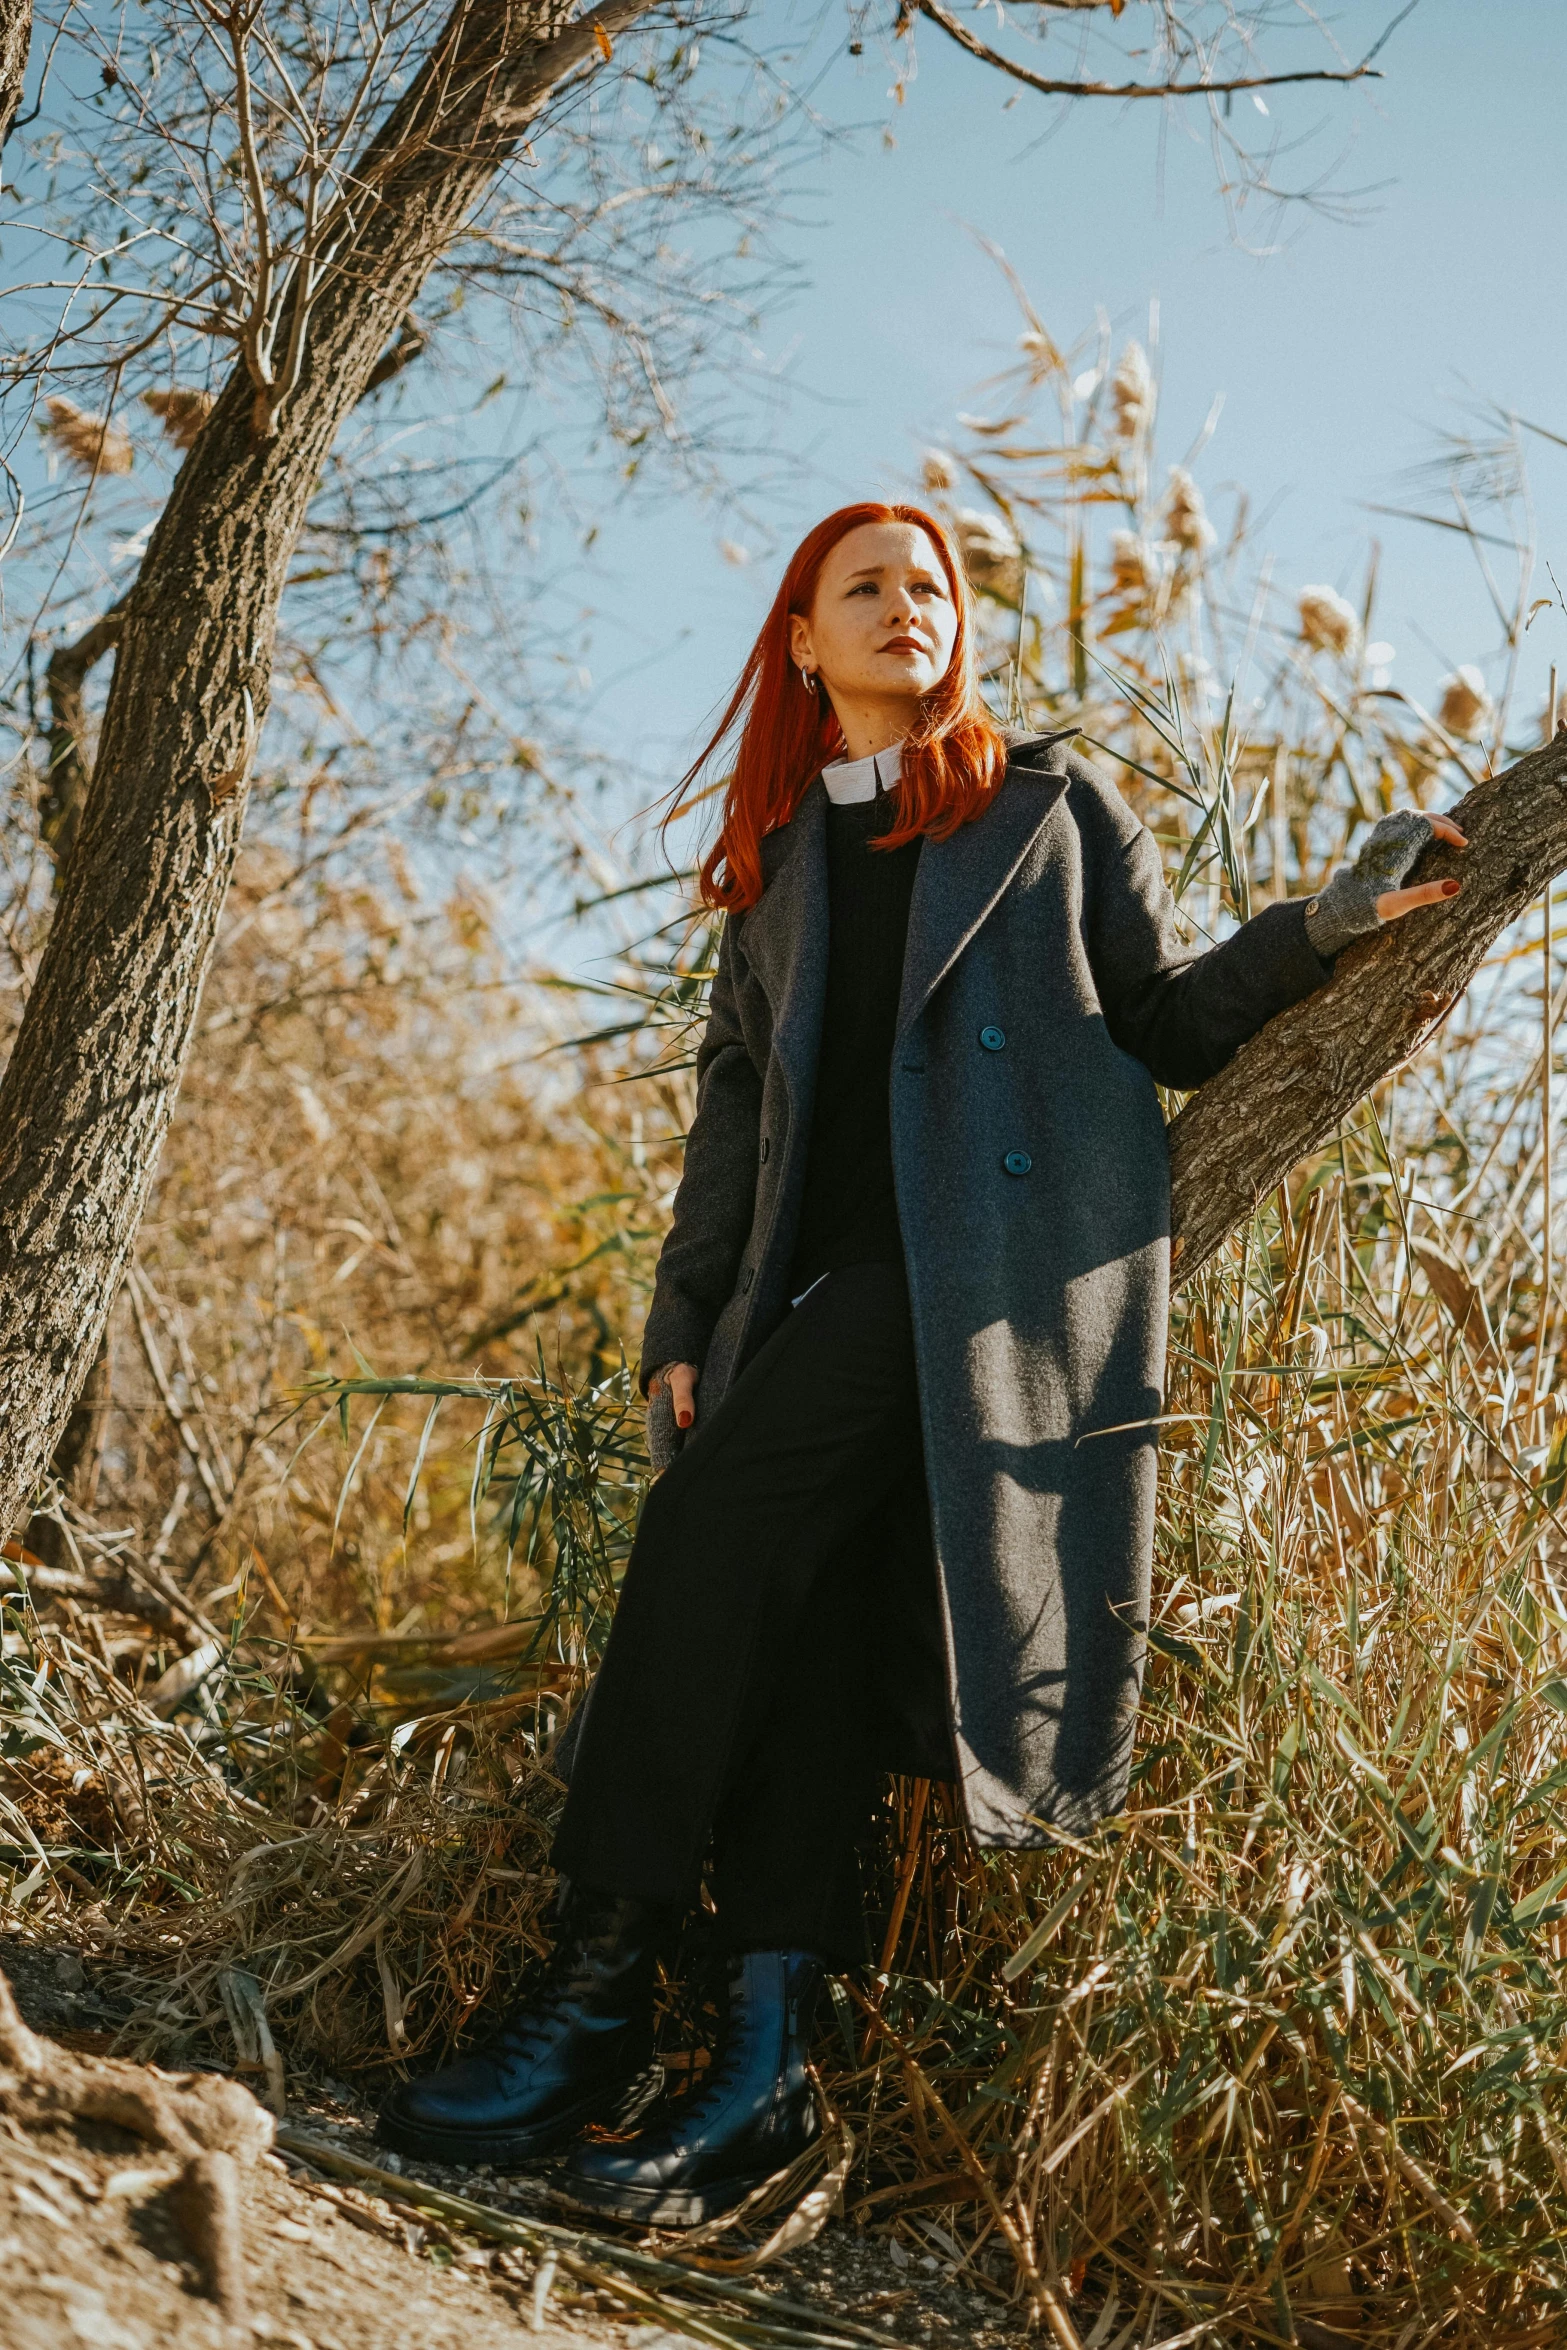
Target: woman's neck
{"x":867,"y":731}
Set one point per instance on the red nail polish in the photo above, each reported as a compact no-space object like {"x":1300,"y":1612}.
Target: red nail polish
{"x":1450,"y":889}
{"x":682,"y":1419}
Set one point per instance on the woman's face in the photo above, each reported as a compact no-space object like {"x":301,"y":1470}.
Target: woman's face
{"x":883,"y":624}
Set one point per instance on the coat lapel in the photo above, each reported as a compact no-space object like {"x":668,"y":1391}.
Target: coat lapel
{"x":961,"y":879}
{"x":785,"y":940}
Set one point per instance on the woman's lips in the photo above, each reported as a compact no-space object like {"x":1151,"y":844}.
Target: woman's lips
{"x":904,"y":644}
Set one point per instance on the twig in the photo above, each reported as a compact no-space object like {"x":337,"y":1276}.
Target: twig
{"x":960,"y":33}
{"x":154,"y":1579}
{"x":170,"y":1527}
{"x":580,"y":2254}
{"x":901,"y":1901}
{"x":1409,"y":2169}
{"x":1034,"y":2283}
{"x":171,"y":1403}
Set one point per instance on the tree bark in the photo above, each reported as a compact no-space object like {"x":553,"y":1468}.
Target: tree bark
{"x":66,"y":784}
{"x":1285,"y":1093}
{"x":16,"y":32}
{"x":87,"y":1097}
{"x":64,"y":795}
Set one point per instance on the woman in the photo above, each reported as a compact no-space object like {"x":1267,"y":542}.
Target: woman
{"x":908,"y":1332}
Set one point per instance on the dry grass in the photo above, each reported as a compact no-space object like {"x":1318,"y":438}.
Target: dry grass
{"x":1281,"y":2044}
{"x":1277,"y":2055}
{"x":1285,"y":2042}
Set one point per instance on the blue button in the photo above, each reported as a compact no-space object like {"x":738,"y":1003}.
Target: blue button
{"x":1017,"y":1163}
{"x":993,"y":1039}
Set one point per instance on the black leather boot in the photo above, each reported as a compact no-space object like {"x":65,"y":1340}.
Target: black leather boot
{"x":571,"y":2055}
{"x":702,"y":2154}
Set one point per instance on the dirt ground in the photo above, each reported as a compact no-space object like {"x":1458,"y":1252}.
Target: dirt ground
{"x":93,"y":2255}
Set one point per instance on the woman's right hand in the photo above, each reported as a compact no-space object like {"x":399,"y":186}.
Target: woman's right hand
{"x":680,"y":1379}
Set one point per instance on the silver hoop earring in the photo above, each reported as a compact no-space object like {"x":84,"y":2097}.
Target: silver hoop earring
{"x":808,"y":678}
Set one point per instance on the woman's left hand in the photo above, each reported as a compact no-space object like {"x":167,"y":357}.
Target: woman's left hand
{"x":1394,"y":902}
{"x":1361,"y":897}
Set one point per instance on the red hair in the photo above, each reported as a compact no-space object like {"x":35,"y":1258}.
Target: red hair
{"x":952,"y":761}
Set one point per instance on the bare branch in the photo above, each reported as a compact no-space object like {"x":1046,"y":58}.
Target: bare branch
{"x":255,"y":334}
{"x":211,"y":1480}
{"x":960,"y":33}
{"x":412,"y":340}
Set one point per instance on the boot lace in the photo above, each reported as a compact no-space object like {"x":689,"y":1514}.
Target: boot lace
{"x":728,"y":2062}
{"x":529,"y":2025}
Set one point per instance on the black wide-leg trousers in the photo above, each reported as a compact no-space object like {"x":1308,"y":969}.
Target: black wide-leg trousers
{"x":778,"y":1639}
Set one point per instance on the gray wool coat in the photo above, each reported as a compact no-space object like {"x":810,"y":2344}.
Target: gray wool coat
{"x":1044,"y":992}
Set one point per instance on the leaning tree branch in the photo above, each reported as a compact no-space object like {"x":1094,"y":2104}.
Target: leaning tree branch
{"x":1364,"y":71}
{"x":1285,"y":1093}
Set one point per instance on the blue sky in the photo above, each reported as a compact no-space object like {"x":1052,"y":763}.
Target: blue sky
{"x":1341,"y":355}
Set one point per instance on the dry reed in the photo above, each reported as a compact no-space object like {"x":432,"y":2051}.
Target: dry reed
{"x":93,"y":444}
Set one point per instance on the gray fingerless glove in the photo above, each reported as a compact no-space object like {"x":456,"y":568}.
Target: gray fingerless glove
{"x":1347,"y":908}
{"x":663,"y":1437}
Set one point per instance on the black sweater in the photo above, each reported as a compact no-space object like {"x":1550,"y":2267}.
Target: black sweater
{"x":849,"y":1214}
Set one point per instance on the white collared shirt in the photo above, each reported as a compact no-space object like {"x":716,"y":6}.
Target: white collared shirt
{"x":848,"y":780}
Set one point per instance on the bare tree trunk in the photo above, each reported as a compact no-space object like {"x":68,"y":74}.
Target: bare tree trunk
{"x":90,"y":1089}
{"x":16,"y":32}
{"x":1286,"y":1091}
